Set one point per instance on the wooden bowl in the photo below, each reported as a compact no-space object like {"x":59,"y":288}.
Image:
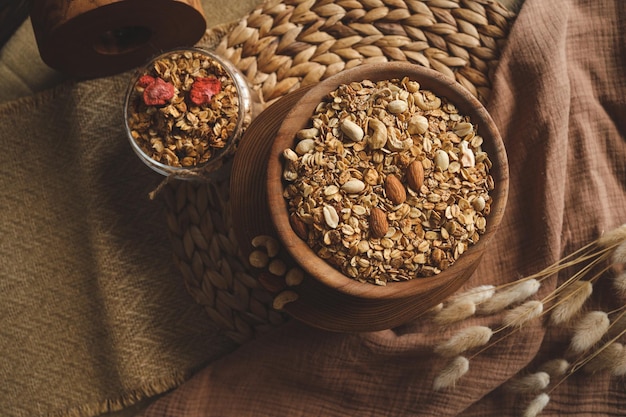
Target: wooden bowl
{"x":334,"y":301}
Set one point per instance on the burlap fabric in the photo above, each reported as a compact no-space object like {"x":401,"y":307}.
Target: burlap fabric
{"x":558,"y":98}
{"x":93,"y":315}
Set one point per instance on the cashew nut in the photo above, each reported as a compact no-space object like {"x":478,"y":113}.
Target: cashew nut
{"x":258,"y":259}
{"x":420,"y":102}
{"x":283,"y":299}
{"x":378,"y":138}
{"x":290,"y":175}
{"x":294,"y":277}
{"x":309,"y":133}
{"x":395,"y":144}
{"x":269,"y":243}
{"x":467,"y":155}
{"x":277,"y":267}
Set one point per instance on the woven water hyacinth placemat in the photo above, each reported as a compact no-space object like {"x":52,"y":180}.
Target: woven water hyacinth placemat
{"x":282,"y":46}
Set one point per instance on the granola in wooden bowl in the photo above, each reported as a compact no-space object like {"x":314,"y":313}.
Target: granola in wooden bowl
{"x":385,"y":183}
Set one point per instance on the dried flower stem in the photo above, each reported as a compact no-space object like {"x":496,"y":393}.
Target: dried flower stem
{"x":586,"y":359}
{"x":570,"y":297}
{"x":578,"y":276}
{"x":582,"y":362}
{"x":583,"y":273}
{"x":603,"y":358}
{"x":618,"y":324}
{"x":619,"y":254}
{"x":579,"y":256}
{"x":603,"y":247}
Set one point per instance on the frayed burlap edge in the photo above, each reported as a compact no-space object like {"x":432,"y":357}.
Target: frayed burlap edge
{"x":127,"y":399}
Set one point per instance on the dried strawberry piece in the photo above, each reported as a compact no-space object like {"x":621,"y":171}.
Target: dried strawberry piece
{"x":145,"y":80}
{"x":158,"y":92}
{"x":203,"y":89}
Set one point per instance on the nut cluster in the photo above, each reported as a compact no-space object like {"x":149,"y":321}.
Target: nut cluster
{"x":276,"y":277}
{"x":187,"y":113}
{"x":389,"y":182}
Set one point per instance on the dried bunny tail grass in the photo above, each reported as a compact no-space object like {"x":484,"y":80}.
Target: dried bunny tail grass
{"x":522,"y":314}
{"x":604,"y":358}
{"x":618,"y":325}
{"x":589,"y":330}
{"x":619,"y":283}
{"x":464,"y":340}
{"x":610,"y":354}
{"x":508,"y":296}
{"x":613,"y":237}
{"x":537,"y":405}
{"x":619,"y":366}
{"x":455,"y":311}
{"x":619,"y":255}
{"x":436,"y":309}
{"x":477,"y":294}
{"x":555,"y":367}
{"x":571,"y":299}
{"x":530,"y":383}
{"x":450,"y":375}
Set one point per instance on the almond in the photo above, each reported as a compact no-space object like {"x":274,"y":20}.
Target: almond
{"x":299,"y":227}
{"x":415,"y":175}
{"x":378,"y":223}
{"x":395,"y":189}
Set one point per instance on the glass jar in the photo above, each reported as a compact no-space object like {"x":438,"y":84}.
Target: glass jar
{"x":185,"y":112}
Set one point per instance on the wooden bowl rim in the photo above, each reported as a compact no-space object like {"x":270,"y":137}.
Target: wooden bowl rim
{"x":442,"y":86}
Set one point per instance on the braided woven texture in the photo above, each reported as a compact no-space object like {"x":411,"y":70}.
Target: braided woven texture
{"x":282,"y":46}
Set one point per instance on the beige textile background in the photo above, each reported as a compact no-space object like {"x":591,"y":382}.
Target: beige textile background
{"x":93,"y":314}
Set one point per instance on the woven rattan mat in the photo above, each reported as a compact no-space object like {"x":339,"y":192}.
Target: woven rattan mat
{"x":285,"y":45}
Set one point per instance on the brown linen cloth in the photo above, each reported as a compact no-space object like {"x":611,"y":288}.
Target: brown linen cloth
{"x":94,"y":317}
{"x":558,"y":99}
